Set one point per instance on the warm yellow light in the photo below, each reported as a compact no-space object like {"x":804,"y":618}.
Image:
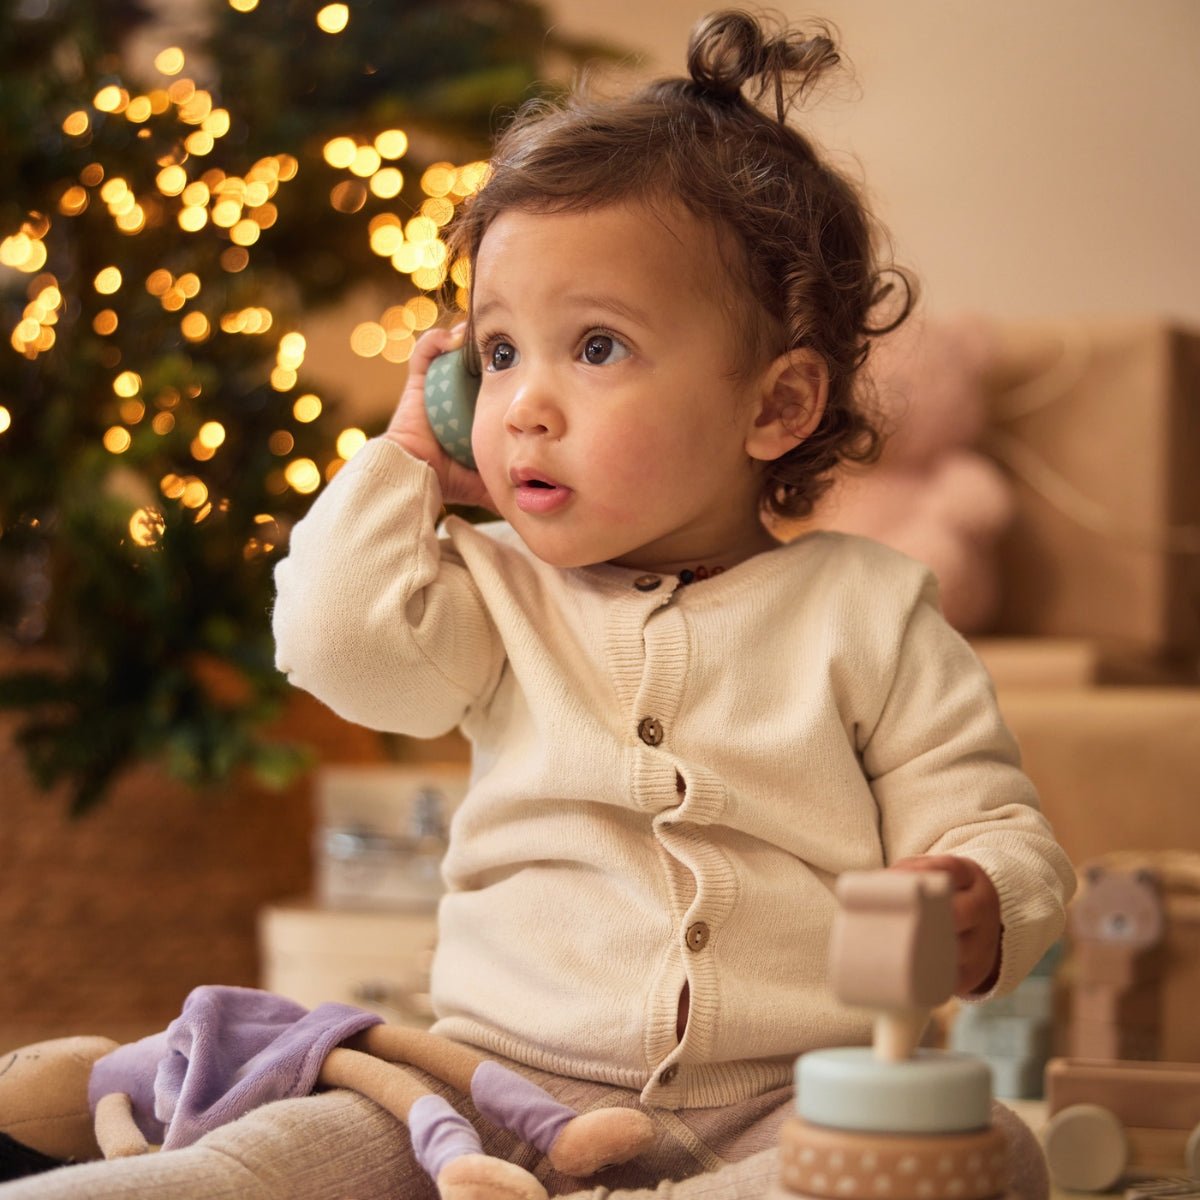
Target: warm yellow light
{"x":366,"y":162}
{"x":169,"y":61}
{"x":387,"y":183}
{"x":217,"y":122}
{"x":333,"y":18}
{"x":132,"y":221}
{"x":438,"y":209}
{"x":192,"y":220}
{"x":420,"y":229}
{"x":211,"y":434}
{"x":302,"y":475}
{"x":76,"y":124}
{"x":196,"y":193}
{"x":107,"y":281}
{"x":23,"y":252}
{"x":128,"y":383}
{"x":163,"y":423}
{"x":195,"y":327}
{"x":245,"y":233}
{"x":281,"y":442}
{"x":438,"y":179}
{"x":196,"y":107}
{"x":110,"y":99}
{"x":189,"y":284}
{"x":132,"y":411}
{"x":339,"y":152}
{"x":460,"y":272}
{"x":227,"y":212}
{"x":292,"y":347}
{"x":243,"y":6}
{"x":386,"y":240}
{"x":306,"y":408}
{"x":424,"y":311}
{"x":392,"y":143}
{"x":399,"y":350}
{"x":5,"y":419}
{"x":117,"y":440}
{"x":407,"y":258}
{"x":288,"y":166}
{"x":105,"y":322}
{"x":200,"y":452}
{"x":198,"y":143}
{"x":139,"y":111}
{"x":283,"y":379}
{"x":73,"y":201}
{"x":172,"y":180}
{"x":257,"y":193}
{"x":195,"y":493}
{"x":429,"y":278}
{"x":265,"y":216}
{"x":350,"y":442}
{"x":147,"y":526}
{"x":172,"y":485}
{"x":367,"y":340}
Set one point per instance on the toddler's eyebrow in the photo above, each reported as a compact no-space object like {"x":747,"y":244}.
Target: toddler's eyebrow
{"x":612,"y":304}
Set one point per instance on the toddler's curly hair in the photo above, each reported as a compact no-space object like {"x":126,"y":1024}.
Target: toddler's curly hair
{"x":719,"y":142}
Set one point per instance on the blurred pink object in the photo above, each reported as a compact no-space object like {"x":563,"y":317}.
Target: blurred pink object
{"x":932,"y":495}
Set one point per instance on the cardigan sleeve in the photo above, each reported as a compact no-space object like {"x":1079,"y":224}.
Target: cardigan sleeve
{"x":374,"y":614}
{"x":946,"y":775}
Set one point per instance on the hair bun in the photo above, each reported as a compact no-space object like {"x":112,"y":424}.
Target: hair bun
{"x":730,"y":49}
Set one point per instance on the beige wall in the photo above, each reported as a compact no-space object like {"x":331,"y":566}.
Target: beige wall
{"x":1031,"y":157}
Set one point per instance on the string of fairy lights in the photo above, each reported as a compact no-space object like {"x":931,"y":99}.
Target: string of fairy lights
{"x":241,"y":208}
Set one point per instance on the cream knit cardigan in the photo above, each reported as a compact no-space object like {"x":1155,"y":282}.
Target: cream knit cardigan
{"x":810,"y":712}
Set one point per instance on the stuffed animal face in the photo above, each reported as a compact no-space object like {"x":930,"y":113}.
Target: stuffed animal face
{"x":1119,"y":907}
{"x":44,"y":1097}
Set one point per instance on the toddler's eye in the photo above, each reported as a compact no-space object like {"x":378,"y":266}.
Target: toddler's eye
{"x":501,"y":356}
{"x":600,"y":348}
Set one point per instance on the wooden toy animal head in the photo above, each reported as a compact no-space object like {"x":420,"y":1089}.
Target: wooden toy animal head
{"x":1121,"y":907}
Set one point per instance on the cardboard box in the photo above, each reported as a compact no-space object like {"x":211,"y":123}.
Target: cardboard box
{"x":377,"y":960}
{"x":1117,"y":768}
{"x":381,"y":833}
{"x":1099,"y":426}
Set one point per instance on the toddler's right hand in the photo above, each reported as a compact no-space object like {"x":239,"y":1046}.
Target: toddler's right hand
{"x":409,"y":426}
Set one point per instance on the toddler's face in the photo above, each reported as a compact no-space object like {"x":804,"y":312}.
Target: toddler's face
{"x":610,"y":425}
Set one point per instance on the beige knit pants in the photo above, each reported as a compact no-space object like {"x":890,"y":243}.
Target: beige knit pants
{"x":339,"y":1146}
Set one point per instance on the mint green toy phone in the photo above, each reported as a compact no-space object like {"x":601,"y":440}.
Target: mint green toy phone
{"x":450,"y":391}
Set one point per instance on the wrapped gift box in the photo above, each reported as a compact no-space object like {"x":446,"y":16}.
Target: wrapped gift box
{"x":1117,"y":768}
{"x":1099,"y":426}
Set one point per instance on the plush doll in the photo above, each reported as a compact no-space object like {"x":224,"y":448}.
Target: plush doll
{"x":932,"y":494}
{"x":232,"y":1049}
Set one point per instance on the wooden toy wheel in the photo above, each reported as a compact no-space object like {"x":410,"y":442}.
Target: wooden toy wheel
{"x":1191,"y":1155}
{"x":1086,"y":1148}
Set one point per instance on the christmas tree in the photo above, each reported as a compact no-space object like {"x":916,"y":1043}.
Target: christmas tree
{"x":166,"y":230}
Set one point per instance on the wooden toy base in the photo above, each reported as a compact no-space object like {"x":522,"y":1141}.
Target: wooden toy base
{"x":837,"y":1164}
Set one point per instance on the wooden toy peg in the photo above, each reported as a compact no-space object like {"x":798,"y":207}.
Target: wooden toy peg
{"x":893,"y":950}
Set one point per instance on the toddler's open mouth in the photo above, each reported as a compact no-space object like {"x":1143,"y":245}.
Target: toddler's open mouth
{"x":537,"y":493}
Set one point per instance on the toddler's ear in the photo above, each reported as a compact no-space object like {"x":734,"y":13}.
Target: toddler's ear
{"x":792,"y":398}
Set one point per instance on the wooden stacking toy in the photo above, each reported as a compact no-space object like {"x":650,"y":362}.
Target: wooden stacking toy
{"x":892,"y":1121}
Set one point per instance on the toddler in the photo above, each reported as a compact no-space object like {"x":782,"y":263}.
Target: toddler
{"x":682,"y":729}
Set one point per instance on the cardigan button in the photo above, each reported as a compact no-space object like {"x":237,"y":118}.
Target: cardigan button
{"x":647,"y":583}
{"x":650,"y":730}
{"x":667,"y":1074}
{"x":697,"y":936}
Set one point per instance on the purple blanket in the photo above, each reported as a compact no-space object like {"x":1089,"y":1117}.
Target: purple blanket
{"x":229,"y":1051}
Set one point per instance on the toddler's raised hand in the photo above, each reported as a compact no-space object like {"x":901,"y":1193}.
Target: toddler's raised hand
{"x":976,"y":908}
{"x":409,"y":426}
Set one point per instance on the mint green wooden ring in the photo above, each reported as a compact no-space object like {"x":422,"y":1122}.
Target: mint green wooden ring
{"x":932,"y":1092}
